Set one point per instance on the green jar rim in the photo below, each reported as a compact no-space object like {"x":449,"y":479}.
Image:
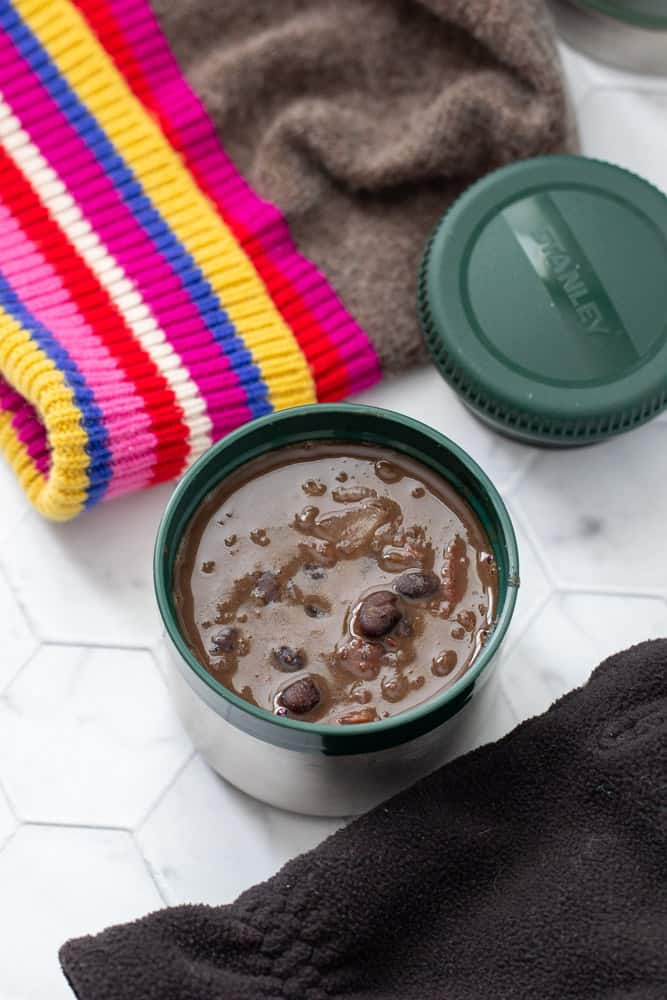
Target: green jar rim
{"x":620,"y":12}
{"x":309,"y":423}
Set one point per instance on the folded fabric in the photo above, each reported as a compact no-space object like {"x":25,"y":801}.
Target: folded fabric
{"x":363,"y":119}
{"x":150,"y":300}
{"x":535,"y":867}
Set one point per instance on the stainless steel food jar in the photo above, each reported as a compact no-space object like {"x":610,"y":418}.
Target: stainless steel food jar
{"x":630,"y":34}
{"x":314,"y":768}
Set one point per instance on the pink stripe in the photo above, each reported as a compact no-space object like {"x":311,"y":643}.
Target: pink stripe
{"x":186,"y":115}
{"x":125,"y":421}
{"x":28,"y":427}
{"x":161,"y":289}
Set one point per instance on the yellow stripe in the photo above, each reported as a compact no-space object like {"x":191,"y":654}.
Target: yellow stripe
{"x":189,"y":213}
{"x":61,"y":494}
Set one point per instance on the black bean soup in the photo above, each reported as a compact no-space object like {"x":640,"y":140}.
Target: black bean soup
{"x":335,"y":582}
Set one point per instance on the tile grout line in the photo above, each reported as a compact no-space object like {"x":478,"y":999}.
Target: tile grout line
{"x":638,"y":593}
{"x":93,"y":827}
{"x":12,"y":808}
{"x":20,"y":603}
{"x":155,"y":656}
{"x":12,"y":811}
{"x":515,"y":637}
{"x":150,"y":870}
{"x":517,"y":720}
{"x":162,"y":794}
{"x":88,"y":644}
{"x":24,"y":666}
{"x":520,"y":475}
{"x":521,"y":632}
{"x":14,"y":833}
{"x":535,"y":544}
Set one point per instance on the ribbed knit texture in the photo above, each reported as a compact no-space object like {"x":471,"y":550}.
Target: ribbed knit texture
{"x":149,"y":300}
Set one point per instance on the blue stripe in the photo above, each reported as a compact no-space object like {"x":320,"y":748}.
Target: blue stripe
{"x":99,"y":467}
{"x":205,"y":301}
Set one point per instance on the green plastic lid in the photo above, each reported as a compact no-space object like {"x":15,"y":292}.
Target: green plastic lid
{"x":543,"y":299}
{"x":641,"y":13}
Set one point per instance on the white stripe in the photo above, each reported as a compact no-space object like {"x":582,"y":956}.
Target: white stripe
{"x":123,"y":291}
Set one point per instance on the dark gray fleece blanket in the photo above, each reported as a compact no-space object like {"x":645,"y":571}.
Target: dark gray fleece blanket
{"x":535,"y":867}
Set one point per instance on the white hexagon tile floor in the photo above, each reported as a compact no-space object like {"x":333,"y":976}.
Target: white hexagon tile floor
{"x":73,"y":715}
{"x":105,"y":812}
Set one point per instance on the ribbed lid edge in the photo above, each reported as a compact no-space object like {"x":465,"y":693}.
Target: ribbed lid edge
{"x":493,"y":408}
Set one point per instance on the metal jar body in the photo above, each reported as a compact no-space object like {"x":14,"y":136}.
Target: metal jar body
{"x":627,"y":40}
{"x":318,"y":768}
{"x":317,"y":784}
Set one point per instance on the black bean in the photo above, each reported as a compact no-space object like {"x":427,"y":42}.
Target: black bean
{"x":287,"y":659}
{"x":417,"y":584}
{"x":378,"y":613}
{"x":317,"y":607}
{"x":314,"y":571}
{"x":225,"y":640}
{"x":267,"y":588}
{"x":300,"y":697}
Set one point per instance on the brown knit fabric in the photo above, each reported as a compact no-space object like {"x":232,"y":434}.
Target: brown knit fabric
{"x":363,"y":119}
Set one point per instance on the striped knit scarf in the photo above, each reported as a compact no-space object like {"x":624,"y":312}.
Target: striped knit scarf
{"x":150,"y":301}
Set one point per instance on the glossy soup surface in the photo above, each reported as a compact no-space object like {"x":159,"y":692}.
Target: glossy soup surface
{"x":335,"y":582}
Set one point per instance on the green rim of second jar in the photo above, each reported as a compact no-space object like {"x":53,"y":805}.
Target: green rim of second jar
{"x":649,"y":17}
{"x":342,"y":422}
